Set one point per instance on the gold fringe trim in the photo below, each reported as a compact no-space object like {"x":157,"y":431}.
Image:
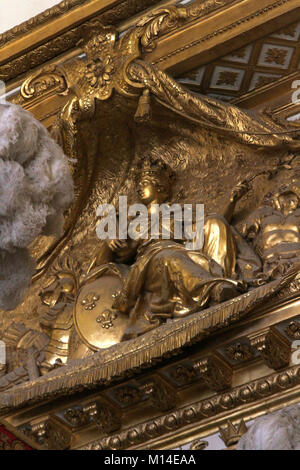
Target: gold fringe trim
{"x":112,"y":363}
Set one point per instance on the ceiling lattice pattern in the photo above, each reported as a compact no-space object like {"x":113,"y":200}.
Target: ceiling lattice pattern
{"x":251,"y":67}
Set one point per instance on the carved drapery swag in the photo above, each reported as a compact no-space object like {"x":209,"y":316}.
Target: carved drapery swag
{"x":113,"y":64}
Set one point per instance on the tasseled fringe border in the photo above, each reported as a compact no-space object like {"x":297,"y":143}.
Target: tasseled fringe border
{"x":114,"y":362}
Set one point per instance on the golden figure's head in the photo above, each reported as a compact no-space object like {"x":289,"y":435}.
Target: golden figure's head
{"x":287,"y":199}
{"x":154,"y":184}
{"x":62,"y":282}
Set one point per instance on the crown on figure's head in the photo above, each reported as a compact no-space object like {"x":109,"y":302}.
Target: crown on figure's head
{"x":156,"y":169}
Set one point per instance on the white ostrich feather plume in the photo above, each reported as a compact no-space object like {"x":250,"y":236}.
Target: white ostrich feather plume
{"x":276,"y":431}
{"x":36,"y":188}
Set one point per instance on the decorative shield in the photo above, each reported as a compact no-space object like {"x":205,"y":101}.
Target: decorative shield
{"x":98,"y":325}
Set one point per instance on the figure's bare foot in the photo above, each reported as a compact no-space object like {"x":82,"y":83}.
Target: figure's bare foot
{"x":226,"y":291}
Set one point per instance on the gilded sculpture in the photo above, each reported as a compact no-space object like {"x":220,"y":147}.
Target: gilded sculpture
{"x":132,"y":286}
{"x":273,"y":230}
{"x":149,"y":281}
{"x":164,"y":279}
{"x":118,"y":293}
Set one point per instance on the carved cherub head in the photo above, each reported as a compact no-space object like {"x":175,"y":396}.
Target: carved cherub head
{"x":287,"y":199}
{"x":154,"y":184}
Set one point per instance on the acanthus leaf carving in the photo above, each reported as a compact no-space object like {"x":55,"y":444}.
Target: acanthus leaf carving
{"x":216,"y":373}
{"x":273,"y":347}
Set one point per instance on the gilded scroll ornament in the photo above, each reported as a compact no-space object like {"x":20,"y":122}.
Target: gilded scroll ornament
{"x":45,"y":81}
{"x":121,"y":71}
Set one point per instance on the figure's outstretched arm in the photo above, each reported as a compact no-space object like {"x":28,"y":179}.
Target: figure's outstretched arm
{"x":236,"y":194}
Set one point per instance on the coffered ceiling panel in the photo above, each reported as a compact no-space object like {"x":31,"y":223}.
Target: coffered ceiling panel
{"x":248,"y":68}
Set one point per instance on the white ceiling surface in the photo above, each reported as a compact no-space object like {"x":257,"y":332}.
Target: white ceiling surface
{"x":14,"y":12}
